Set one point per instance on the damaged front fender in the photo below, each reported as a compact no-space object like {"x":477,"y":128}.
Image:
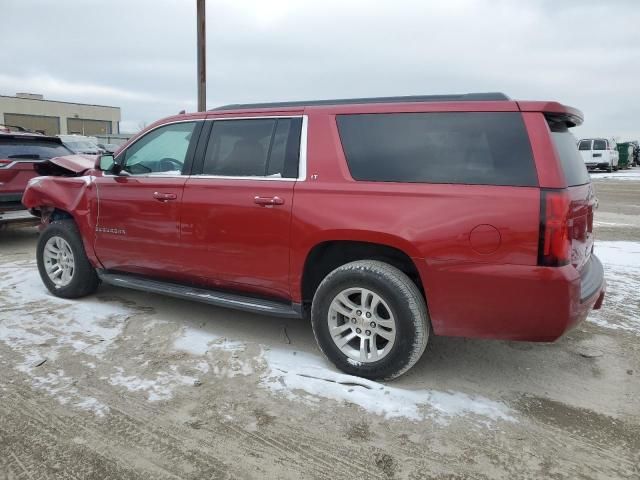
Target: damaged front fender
{"x":52,"y":197}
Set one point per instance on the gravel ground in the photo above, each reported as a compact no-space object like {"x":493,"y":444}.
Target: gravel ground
{"x":130,"y":385}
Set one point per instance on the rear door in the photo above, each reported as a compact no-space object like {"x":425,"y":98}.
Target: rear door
{"x":139,"y":211}
{"x":584,"y":146}
{"x":600,"y":151}
{"x":236,"y":208}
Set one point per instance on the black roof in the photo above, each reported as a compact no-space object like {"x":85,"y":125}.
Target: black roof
{"x":463,"y":97}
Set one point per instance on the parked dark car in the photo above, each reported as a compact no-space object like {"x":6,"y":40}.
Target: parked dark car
{"x":20,"y":155}
{"x":382,"y":220}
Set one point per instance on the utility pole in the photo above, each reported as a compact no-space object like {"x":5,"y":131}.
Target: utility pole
{"x":202,"y":59}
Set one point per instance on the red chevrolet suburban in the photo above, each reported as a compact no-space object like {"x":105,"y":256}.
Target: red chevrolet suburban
{"x":384,"y":220}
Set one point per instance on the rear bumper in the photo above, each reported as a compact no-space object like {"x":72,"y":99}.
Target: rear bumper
{"x":602,"y":165}
{"x":511,"y":302}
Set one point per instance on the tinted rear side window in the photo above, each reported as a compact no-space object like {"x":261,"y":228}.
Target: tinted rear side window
{"x":31,"y":149}
{"x":254,"y":148}
{"x":575,"y":171}
{"x":470,"y":148}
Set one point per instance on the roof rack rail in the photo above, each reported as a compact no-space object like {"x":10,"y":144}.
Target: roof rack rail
{"x":463,"y":97}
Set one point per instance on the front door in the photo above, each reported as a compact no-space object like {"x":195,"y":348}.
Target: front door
{"x":237,"y":205}
{"x":139,"y":210}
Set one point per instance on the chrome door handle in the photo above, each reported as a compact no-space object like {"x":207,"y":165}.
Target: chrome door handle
{"x":268,"y":200}
{"x":164,"y":197}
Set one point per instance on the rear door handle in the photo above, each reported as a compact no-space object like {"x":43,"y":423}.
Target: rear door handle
{"x":268,"y":200}
{"x":164,"y":197}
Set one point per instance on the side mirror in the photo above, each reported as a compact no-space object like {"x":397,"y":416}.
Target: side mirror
{"x":105,"y":162}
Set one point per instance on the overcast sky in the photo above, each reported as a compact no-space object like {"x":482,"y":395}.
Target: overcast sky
{"x":141,"y":55}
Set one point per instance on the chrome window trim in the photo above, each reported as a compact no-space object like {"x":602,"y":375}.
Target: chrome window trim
{"x":302,"y":159}
{"x":261,"y":179}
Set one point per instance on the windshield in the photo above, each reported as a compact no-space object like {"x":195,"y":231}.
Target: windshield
{"x":31,"y":148}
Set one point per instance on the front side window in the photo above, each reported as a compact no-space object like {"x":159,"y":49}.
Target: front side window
{"x":479,"y":148}
{"x":266,"y":147}
{"x":162,"y":150}
{"x":599,"y":144}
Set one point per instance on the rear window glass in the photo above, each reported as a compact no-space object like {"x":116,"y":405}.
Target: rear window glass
{"x":468,"y":148}
{"x":599,"y":144}
{"x":585,"y":145}
{"x":571,"y":161}
{"x":31,"y":149}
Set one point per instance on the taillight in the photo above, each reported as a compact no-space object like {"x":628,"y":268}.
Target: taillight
{"x":554,"y":246}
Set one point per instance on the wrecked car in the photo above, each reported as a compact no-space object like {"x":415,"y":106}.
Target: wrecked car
{"x":383,"y":220}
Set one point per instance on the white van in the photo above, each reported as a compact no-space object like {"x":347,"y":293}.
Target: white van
{"x":599,"y":153}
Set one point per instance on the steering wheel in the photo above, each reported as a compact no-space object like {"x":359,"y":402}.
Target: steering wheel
{"x":167,"y":164}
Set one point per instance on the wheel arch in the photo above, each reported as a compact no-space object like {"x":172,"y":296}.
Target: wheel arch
{"x":327,"y":255}
{"x":60,"y":198}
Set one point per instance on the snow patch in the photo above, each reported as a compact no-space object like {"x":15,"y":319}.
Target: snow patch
{"x":38,"y":325}
{"x":625,"y":255}
{"x":159,"y":388}
{"x":193,"y":341}
{"x":304,"y":376}
{"x":621,"y":261}
{"x":625,"y":175}
{"x":613,"y":224}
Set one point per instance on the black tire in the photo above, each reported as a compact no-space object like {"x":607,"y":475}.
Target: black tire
{"x":405,"y":302}
{"x":609,"y":169}
{"x":84,"y":279}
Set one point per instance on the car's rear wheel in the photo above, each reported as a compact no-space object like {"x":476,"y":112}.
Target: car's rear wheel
{"x":370,"y":320}
{"x":62,"y":262}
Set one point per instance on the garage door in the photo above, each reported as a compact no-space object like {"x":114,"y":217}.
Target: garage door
{"x":36,"y":123}
{"x":83,"y":126}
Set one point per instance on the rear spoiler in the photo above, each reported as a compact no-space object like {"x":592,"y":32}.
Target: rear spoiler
{"x":555,"y":112}
{"x":30,"y":136}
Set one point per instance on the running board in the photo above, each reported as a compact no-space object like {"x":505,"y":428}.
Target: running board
{"x":213,"y":297}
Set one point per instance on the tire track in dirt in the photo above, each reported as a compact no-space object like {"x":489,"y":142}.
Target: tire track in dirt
{"x":118,"y":445}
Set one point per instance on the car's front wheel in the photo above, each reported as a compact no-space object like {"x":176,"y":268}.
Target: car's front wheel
{"x":62,"y":262}
{"x":370,"y":320}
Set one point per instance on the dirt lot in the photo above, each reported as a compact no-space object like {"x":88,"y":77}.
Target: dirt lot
{"x":130,"y":385}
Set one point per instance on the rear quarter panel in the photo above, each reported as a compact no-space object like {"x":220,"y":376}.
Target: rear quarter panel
{"x":432,"y":223}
